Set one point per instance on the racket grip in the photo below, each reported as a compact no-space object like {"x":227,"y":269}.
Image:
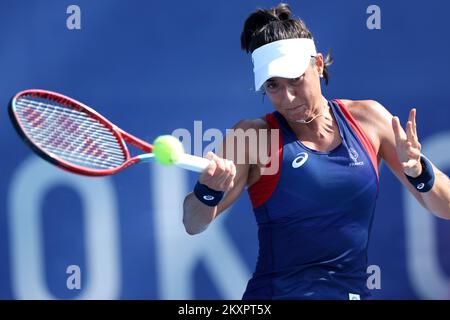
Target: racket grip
{"x":193,"y":163}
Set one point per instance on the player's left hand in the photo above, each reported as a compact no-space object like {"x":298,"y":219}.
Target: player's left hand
{"x":407,"y":145}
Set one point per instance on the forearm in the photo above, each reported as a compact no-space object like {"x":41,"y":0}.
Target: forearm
{"x":437,"y":200}
{"x":196,"y":215}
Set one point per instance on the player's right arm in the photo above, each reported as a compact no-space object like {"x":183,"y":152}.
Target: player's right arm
{"x":223,"y":174}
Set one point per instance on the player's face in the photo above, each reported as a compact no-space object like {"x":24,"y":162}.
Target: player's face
{"x":297,"y":99}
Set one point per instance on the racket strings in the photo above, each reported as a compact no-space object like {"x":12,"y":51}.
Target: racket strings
{"x":56,"y":141}
{"x":70,"y":134}
{"x":74,"y":155}
{"x":66,"y":150}
{"x":82,"y":120}
{"x":73,"y":158}
{"x":68,"y":138}
{"x":58,"y":138}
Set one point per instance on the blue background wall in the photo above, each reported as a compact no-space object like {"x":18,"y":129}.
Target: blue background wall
{"x":152,"y":67}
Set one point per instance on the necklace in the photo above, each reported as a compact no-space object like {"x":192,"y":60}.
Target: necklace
{"x":316,"y":116}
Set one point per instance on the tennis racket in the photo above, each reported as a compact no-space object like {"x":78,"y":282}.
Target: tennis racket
{"x":76,"y":138}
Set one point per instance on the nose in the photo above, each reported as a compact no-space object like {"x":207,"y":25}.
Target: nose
{"x":288,"y":95}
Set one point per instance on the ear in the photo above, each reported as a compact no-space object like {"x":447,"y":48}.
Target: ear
{"x":319,"y":64}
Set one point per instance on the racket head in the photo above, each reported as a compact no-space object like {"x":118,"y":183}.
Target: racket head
{"x":68,"y":133}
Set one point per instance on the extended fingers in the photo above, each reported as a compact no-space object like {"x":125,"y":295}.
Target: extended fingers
{"x":412,"y":129}
{"x":412,"y":115}
{"x":410,"y":132}
{"x":398,"y":130}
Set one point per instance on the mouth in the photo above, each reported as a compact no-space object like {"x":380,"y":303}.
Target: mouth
{"x":295,"y":108}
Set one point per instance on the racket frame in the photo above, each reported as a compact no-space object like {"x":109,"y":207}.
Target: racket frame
{"x":122,"y":136}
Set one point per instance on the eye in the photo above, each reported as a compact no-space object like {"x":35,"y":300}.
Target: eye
{"x":271,"y":86}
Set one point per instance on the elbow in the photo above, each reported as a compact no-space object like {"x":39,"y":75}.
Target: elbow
{"x":443,"y":213}
{"x":191,"y":233}
{"x":191,"y":230}
{"x":187,"y":223}
{"x":188,"y":226}
{"x":191,"y":226}
{"x":444,"y":216}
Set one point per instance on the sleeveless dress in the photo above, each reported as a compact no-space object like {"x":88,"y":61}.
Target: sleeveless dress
{"x":314,"y":216}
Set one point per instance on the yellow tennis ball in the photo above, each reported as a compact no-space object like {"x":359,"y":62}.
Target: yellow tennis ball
{"x":167,"y":149}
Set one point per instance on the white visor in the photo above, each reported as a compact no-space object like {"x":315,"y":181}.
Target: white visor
{"x":284,"y":58}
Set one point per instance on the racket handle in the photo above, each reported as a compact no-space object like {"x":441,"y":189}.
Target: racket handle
{"x":193,"y":163}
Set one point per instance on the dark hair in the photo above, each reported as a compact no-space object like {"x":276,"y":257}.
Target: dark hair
{"x":268,"y":25}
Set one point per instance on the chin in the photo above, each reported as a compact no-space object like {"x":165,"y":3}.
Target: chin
{"x":296,"y":116}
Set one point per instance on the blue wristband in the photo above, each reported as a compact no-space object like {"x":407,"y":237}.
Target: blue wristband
{"x":425,"y":181}
{"x":207,"y":195}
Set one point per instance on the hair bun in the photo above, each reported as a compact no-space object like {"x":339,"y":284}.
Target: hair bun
{"x":267,"y":25}
{"x":283,"y":12}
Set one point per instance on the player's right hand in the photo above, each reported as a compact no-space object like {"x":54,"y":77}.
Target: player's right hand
{"x":220,"y":173}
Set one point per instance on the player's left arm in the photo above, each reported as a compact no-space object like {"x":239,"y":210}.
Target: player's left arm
{"x":401,"y":151}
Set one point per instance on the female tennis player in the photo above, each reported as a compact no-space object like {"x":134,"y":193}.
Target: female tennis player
{"x":314,"y":215}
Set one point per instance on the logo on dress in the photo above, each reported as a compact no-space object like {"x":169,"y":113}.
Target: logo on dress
{"x":354,"y":156}
{"x":299,"y":160}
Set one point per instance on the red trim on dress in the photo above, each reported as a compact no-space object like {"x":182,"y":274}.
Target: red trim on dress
{"x":361,"y":135}
{"x":263,"y":189}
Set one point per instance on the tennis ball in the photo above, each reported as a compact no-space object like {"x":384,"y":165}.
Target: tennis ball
{"x":167,"y":149}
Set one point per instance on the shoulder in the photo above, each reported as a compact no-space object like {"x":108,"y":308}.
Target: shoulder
{"x":244,"y":135}
{"x":366,"y":110}
{"x":373,"y":117}
{"x":245,"y":124}
{"x":369,"y":112}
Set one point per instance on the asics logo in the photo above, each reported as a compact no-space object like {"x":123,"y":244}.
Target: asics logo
{"x":300,"y":160}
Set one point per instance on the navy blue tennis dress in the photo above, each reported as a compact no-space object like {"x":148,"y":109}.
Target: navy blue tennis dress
{"x":314,"y":216}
